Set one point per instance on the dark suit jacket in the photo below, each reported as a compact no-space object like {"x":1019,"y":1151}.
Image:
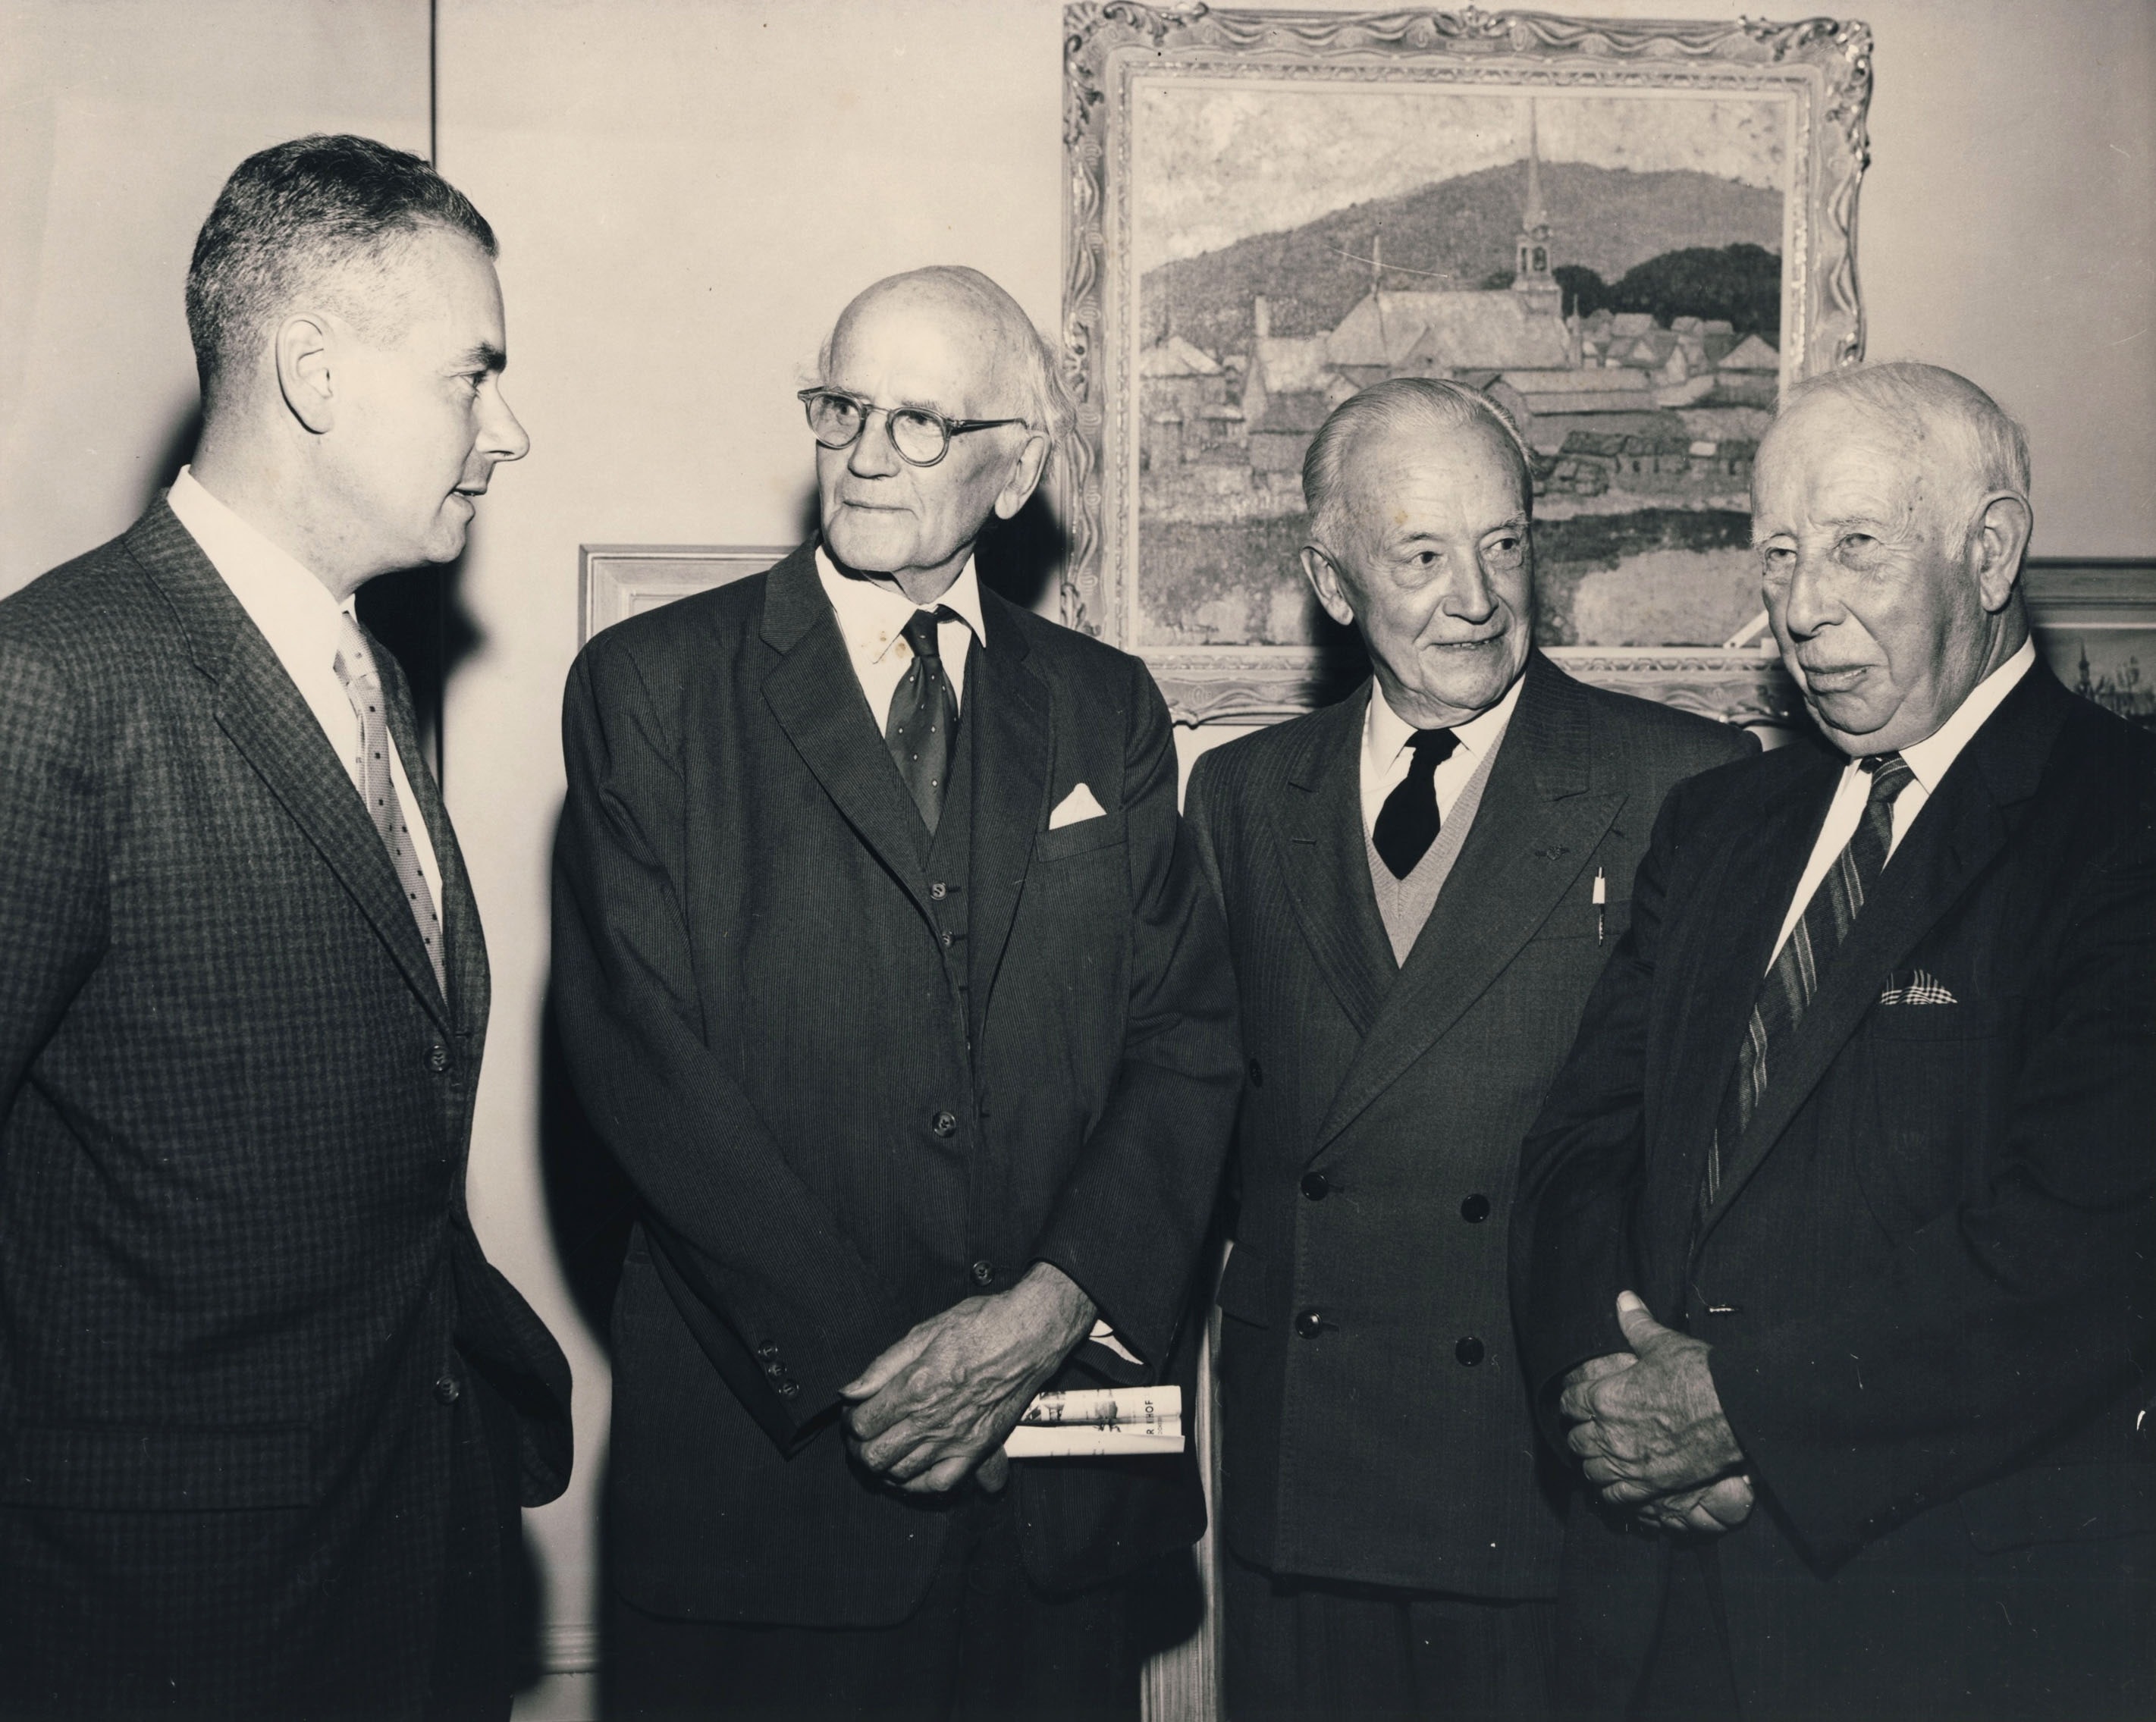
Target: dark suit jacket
{"x":1926,"y":1277}
{"x":1380,"y":1126}
{"x":759,"y":1022}
{"x":235,"y":1264}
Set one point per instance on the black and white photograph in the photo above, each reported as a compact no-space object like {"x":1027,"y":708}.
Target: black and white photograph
{"x":1077,"y":861}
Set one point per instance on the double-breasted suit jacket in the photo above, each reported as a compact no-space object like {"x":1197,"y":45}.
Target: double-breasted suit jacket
{"x":855,"y":1079}
{"x":244,"y":1323}
{"x":1926,"y":1277}
{"x":1375,"y":1424}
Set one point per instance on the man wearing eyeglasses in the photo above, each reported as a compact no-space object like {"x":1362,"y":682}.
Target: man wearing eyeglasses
{"x":888,"y":974}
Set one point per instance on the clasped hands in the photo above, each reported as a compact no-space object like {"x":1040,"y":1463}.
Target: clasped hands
{"x":1648,"y":1428}
{"x":937,"y":1405}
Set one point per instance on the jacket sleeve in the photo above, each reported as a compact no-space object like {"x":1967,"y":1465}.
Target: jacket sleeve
{"x":1581,"y":1163}
{"x":2006,"y":1322}
{"x":53,"y":908}
{"x":1131,"y":1219}
{"x":776,"y":1293}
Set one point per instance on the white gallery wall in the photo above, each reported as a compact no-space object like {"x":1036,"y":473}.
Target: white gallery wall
{"x":687,"y":191}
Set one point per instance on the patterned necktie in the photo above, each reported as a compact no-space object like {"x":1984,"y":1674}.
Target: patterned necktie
{"x":1408,"y":822}
{"x":924,"y":716}
{"x":1787,"y":991}
{"x":362,"y":685}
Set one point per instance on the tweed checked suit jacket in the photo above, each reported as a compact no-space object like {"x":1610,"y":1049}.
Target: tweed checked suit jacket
{"x":1926,"y":1280}
{"x":244,"y":1320}
{"x":1375,"y":1421}
{"x":828,"y":1147}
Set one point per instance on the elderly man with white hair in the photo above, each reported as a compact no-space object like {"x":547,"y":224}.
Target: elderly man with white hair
{"x":1833,"y":1248}
{"x":887,"y":973}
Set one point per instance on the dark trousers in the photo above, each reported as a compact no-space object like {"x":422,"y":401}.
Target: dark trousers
{"x":984,"y":1645}
{"x":1689,"y":1678}
{"x":1316,"y":1652}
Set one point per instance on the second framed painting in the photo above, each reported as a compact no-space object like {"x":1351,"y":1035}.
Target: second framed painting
{"x":1633,"y":235}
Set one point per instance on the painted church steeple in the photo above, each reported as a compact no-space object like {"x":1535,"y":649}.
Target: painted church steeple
{"x":1531,"y":272}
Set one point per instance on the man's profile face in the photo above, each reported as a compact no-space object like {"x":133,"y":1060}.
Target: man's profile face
{"x":906,"y":348}
{"x":1878,"y":618}
{"x":1429,"y":559}
{"x":421,"y":421}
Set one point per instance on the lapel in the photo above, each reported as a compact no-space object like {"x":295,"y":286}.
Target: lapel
{"x":1538,"y":824}
{"x":817,"y":699}
{"x":258,"y":707}
{"x":464,"y":943}
{"x":1326,"y":861}
{"x":1742,"y":896}
{"x":1978,"y":805}
{"x":1013,"y":752}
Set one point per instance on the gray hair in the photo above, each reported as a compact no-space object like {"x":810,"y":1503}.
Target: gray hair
{"x":296,"y":213}
{"x":1401,"y":400}
{"x":1928,"y":405}
{"x":1044,"y":401}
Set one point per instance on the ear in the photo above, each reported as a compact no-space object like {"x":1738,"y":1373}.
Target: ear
{"x":1025,"y":476}
{"x":1996,"y":547}
{"x":1324,"y":581}
{"x":304,"y":372}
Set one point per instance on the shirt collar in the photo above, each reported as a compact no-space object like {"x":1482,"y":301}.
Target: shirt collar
{"x":294,"y":612}
{"x":872,"y":616}
{"x":1386,"y":732}
{"x":1928,"y":760}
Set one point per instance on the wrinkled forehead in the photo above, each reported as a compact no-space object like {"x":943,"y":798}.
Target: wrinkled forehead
{"x":921,"y":347}
{"x":1832,"y":458}
{"x":1417,"y":464}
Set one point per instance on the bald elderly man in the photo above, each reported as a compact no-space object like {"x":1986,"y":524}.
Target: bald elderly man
{"x":888,"y":974}
{"x":1833,"y":1242}
{"x":1419,"y":884}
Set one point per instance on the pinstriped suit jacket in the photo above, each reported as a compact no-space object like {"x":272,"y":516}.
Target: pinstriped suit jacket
{"x":239,"y":1293}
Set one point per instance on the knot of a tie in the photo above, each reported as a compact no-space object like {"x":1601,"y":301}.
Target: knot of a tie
{"x":920,"y":631}
{"x":1889,"y":774}
{"x":1434,"y":747}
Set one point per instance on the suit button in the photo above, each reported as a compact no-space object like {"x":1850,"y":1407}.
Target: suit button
{"x":983,"y":1271}
{"x":448,"y":1390}
{"x":438,"y":1058}
{"x":1316,"y":1185}
{"x":944,"y":1124}
{"x":767,"y":1353}
{"x":1469,"y":1351}
{"x":788,"y":1390}
{"x":1475,"y":1210}
{"x":1257,"y":1074}
{"x":938,"y":891}
{"x":1310,"y":1323}
{"x":946,"y":940}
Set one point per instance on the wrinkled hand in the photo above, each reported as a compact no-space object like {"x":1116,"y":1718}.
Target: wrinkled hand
{"x":1715,"y":1510}
{"x":940,"y":1401}
{"x":1654,"y":1428}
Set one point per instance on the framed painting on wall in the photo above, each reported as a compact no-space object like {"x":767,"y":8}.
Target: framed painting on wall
{"x":1634,"y":235}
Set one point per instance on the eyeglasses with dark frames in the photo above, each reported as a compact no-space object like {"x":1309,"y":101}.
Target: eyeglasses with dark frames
{"x":836,"y":419}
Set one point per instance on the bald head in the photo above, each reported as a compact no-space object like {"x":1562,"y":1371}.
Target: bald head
{"x":948,"y":342}
{"x":1010,"y":364}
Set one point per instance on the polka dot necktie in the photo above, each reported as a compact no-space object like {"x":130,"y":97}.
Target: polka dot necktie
{"x":1787,"y":990}
{"x":362,"y":685}
{"x":924,"y":715}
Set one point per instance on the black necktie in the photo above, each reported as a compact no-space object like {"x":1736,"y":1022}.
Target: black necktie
{"x":1407,"y":824}
{"x":924,"y":715}
{"x":1787,"y":991}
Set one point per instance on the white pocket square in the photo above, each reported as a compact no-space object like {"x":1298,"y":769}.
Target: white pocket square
{"x":1075,"y":808}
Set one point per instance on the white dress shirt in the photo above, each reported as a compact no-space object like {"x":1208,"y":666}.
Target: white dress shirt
{"x":1386,"y":753}
{"x":1928,"y":761}
{"x":295,"y":614}
{"x":872,"y":621}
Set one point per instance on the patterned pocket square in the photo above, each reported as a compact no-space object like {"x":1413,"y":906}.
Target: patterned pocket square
{"x":1916,"y":986}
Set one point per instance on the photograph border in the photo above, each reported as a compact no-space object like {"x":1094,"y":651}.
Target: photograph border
{"x":1824,"y":64}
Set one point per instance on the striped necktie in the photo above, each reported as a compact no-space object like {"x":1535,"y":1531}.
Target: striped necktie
{"x":362,"y":677}
{"x":1790,"y":985}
